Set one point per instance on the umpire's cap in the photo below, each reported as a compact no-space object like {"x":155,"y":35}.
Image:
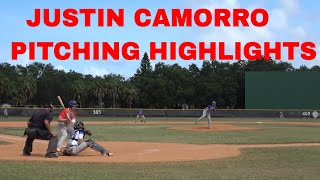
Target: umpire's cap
{"x":49,"y":105}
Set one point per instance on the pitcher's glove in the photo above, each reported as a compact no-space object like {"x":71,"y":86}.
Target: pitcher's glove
{"x":88,"y":131}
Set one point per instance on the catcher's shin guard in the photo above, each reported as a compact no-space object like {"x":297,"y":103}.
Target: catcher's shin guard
{"x":97,"y":147}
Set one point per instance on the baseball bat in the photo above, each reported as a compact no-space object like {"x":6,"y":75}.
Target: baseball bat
{"x":61,"y":102}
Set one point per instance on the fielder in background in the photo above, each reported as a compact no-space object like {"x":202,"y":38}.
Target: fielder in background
{"x":75,"y":144}
{"x":66,"y":117}
{"x":5,"y":113}
{"x":39,"y":128}
{"x":140,"y":115}
{"x":281,"y":116}
{"x":207,"y":112}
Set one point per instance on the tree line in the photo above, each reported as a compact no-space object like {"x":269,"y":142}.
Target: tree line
{"x":164,"y":86}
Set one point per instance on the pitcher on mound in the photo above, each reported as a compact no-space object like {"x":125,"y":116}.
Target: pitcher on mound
{"x":207,"y":113}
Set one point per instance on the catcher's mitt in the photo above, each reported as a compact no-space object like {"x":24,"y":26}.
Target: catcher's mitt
{"x":89,"y":132}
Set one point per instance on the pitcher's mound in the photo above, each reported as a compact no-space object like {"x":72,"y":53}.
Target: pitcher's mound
{"x":215,"y":127}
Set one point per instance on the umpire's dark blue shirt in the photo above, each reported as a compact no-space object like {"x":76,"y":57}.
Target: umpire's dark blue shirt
{"x":38,"y":118}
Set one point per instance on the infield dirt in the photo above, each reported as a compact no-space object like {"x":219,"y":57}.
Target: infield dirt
{"x":138,"y":151}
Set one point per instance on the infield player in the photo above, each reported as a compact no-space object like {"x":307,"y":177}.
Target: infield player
{"x":75,"y":144}
{"x":207,"y":113}
{"x":5,"y":113}
{"x":281,"y":116}
{"x":140,"y":115}
{"x":66,"y":117}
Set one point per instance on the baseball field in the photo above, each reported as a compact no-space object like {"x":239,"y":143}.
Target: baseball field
{"x":173,"y":148}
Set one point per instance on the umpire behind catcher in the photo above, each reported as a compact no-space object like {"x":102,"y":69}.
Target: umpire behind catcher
{"x":39,"y":128}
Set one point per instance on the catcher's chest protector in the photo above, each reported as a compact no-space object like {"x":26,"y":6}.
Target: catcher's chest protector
{"x":75,"y":136}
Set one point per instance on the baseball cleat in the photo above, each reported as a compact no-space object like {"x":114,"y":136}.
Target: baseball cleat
{"x":26,"y":154}
{"x":106,"y":154}
{"x":51,"y":155}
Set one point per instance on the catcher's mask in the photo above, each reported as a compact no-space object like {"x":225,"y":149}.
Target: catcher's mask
{"x":79,"y":125}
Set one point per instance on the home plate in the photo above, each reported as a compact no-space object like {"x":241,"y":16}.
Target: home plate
{"x":259,"y":122}
{"x":149,"y":151}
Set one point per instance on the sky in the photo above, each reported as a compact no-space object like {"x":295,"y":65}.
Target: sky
{"x":290,"y":20}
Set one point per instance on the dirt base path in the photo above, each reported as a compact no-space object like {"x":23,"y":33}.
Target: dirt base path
{"x":136,"y":151}
{"x":123,"y":152}
{"x":133,"y":151}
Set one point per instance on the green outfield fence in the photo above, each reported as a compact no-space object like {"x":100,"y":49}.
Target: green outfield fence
{"x":228,"y":113}
{"x":282,"y":90}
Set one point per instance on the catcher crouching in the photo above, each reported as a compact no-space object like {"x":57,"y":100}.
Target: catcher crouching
{"x":75,"y":146}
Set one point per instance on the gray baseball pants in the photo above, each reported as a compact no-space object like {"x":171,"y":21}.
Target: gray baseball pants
{"x":63,"y":133}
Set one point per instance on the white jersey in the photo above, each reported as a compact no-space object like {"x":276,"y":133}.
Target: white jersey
{"x":74,"y":137}
{"x":207,"y":109}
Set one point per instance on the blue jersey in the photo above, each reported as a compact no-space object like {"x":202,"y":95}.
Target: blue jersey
{"x":140,"y":112}
{"x":211,"y":107}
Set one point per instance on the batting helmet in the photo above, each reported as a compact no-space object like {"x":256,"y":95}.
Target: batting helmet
{"x":72,"y":104}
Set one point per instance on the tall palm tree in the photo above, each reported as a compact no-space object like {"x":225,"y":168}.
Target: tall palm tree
{"x":78,"y":89}
{"x":15,"y":94}
{"x":28,"y":88}
{"x":4,"y":88}
{"x":100,"y":91}
{"x":114,"y":92}
{"x":131,"y":95}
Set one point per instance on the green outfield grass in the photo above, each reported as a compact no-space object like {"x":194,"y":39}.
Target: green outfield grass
{"x":255,"y":163}
{"x":4,"y":143}
{"x":272,"y":163}
{"x":169,"y":119}
{"x":268,"y":133}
